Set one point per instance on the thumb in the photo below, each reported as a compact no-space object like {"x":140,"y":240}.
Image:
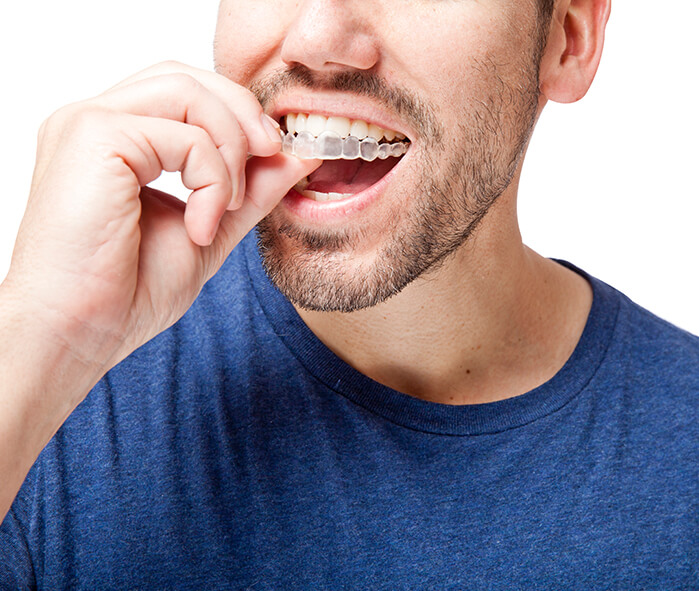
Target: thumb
{"x":267,"y":182}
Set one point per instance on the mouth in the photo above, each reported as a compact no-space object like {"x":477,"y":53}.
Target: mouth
{"x":357,"y":154}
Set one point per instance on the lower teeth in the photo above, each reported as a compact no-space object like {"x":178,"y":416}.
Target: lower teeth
{"x":318,"y":196}
{"x":330,"y":146}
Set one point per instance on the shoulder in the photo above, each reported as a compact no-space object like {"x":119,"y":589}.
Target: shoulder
{"x":649,"y":374}
{"x":655,"y":349}
{"x":646,"y":370}
{"x":637,"y":344}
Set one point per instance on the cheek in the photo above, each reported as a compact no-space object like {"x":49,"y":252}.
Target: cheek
{"x":248,"y":35}
{"x":480,"y":78}
{"x":446,"y":57}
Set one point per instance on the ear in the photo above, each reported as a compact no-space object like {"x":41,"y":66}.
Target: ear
{"x":574,"y":49}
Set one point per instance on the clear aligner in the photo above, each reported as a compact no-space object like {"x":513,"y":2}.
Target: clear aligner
{"x":330,"y":146}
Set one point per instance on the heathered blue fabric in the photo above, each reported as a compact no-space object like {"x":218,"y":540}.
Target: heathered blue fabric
{"x":234,"y":451}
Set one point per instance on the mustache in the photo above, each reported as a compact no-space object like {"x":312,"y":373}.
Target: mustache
{"x":402,"y":101}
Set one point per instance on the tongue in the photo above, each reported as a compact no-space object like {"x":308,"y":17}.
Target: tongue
{"x":348,"y":176}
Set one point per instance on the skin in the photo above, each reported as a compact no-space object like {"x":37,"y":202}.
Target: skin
{"x":494,"y":319}
{"x":101,"y":264}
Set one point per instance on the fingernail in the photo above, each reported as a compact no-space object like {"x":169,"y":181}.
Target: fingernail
{"x":272,"y":128}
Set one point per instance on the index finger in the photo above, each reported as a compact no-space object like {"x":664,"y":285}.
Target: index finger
{"x":245,"y":107}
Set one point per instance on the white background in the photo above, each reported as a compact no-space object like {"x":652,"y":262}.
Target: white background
{"x":609,"y":182}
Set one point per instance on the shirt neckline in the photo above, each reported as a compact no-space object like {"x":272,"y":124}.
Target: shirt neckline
{"x":431,"y":417}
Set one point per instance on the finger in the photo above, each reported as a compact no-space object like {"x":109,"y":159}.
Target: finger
{"x":268,"y":181}
{"x":259,"y":129}
{"x":161,"y":144}
{"x":180,"y":97}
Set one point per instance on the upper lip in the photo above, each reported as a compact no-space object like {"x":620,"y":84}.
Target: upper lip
{"x":339,"y":105}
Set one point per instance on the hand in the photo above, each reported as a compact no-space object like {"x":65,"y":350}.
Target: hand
{"x":106,"y":263}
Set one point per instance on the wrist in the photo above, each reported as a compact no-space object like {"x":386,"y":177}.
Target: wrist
{"x":55,"y":332}
{"x":41,"y":383}
{"x":42,"y":355}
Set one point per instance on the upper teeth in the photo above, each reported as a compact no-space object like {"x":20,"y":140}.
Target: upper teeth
{"x":343,"y":126}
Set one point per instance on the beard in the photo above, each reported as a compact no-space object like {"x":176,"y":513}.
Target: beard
{"x":460,"y":175}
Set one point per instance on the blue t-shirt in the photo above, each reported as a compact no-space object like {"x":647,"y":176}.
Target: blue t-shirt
{"x":235,"y":451}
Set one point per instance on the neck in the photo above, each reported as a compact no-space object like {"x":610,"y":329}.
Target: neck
{"x":493,"y":321}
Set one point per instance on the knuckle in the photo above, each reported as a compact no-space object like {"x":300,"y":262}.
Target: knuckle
{"x":169,"y":66}
{"x":44,"y":131}
{"x":55,"y":122}
{"x":84,"y":120}
{"x":183,"y":83}
{"x":72,"y":118}
{"x":162,"y":68}
{"x":200,"y":136}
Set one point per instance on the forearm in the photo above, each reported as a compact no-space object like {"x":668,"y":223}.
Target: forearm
{"x":42,"y":380}
{"x":102,"y":262}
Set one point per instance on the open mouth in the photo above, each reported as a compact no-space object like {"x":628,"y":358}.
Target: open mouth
{"x":357,"y":154}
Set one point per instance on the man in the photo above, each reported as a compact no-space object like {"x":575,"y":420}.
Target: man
{"x":420,"y":402}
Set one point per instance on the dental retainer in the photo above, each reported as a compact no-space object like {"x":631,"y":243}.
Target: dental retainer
{"x":329,"y":145}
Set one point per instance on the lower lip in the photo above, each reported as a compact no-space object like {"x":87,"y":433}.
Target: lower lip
{"x":336,"y":211}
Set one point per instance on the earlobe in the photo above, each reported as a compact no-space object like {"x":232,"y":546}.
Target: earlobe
{"x":574,"y":49}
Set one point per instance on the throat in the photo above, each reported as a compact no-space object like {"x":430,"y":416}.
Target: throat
{"x":451,"y":345}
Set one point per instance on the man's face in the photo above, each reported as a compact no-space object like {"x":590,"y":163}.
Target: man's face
{"x":458,"y":78}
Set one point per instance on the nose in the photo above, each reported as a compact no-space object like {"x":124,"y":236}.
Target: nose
{"x":331,"y":35}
